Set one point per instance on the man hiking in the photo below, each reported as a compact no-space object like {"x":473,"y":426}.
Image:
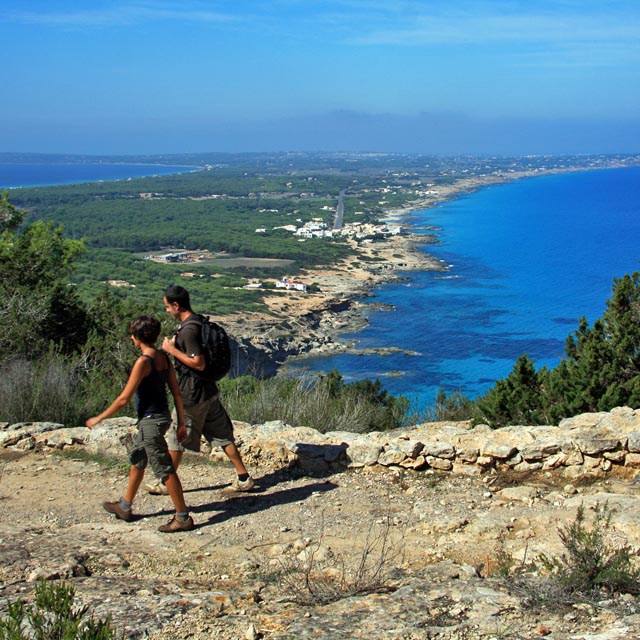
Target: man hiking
{"x":204,"y":413}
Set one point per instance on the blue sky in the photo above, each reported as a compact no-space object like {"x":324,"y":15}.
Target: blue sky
{"x":430,"y":76}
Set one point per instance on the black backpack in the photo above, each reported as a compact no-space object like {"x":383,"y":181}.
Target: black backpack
{"x":216,"y":348}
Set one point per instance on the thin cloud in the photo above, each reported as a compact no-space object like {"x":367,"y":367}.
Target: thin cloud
{"x":455,"y":28}
{"x":119,"y":15}
{"x":598,"y":55}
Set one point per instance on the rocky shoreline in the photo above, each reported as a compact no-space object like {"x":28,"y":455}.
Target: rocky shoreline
{"x":309,"y":324}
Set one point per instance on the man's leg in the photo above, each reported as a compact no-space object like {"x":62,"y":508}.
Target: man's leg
{"x":176,"y":456}
{"x":218,"y":430}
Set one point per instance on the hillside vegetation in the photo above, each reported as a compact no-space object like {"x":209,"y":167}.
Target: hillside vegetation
{"x":63,"y":326}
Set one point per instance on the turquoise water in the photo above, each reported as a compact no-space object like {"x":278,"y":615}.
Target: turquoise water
{"x":38,"y":175}
{"x":528,"y":259}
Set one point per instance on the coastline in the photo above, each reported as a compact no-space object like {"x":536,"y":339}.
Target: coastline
{"x":300,"y":325}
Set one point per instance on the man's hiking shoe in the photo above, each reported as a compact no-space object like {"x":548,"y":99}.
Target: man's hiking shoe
{"x":157,"y":489}
{"x":238,"y":486}
{"x":175,"y":524}
{"x":118,"y":511}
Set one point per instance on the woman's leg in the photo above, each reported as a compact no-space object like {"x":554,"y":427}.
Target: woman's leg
{"x":174,"y":486}
{"x":135,"y":478}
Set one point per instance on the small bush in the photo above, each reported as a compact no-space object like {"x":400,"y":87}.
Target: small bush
{"x":53,"y":617}
{"x":325,"y":403}
{"x":318,"y":575}
{"x":455,"y":406}
{"x":591,"y":561}
{"x":45,"y":389}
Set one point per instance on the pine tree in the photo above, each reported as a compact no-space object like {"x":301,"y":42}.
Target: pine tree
{"x":602,"y":367}
{"x":516,"y":399}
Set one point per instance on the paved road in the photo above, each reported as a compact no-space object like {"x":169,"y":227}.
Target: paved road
{"x":339,"y":211}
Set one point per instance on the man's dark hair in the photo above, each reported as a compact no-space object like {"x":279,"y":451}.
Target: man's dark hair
{"x":146,"y":329}
{"x":176,"y":293}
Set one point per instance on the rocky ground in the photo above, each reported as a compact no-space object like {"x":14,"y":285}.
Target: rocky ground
{"x":369,"y":553}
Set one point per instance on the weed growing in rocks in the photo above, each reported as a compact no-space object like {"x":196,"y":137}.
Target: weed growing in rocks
{"x":317,"y":575}
{"x":593,"y":569}
{"x":504,"y":561}
{"x":592,"y":561}
{"x":53,"y":617}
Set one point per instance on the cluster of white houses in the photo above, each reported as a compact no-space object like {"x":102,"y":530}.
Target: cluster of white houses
{"x":317,"y":228}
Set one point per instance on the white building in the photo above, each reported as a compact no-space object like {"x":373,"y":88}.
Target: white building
{"x":288,"y":283}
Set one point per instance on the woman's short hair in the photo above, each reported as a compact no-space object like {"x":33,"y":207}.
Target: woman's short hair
{"x":146,"y":329}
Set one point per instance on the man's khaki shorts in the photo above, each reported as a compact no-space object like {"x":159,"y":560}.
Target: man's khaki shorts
{"x":208,"y":419}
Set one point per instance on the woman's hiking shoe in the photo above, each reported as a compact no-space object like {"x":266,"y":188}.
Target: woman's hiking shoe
{"x":238,"y":486}
{"x":175,"y":524}
{"x":118,"y":511}
{"x":157,"y":489}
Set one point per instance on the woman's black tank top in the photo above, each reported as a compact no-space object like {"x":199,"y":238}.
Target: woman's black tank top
{"x":151,"y":395}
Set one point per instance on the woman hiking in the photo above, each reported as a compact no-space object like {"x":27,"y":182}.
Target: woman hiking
{"x":152,"y":372}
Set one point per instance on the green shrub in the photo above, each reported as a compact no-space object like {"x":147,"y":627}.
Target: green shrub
{"x":454,"y":406}
{"x":591,"y":561}
{"x":325,"y":403}
{"x":53,"y":617}
{"x":54,"y":388}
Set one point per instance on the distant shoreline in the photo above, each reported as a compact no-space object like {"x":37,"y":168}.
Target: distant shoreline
{"x":318,"y":320}
{"x":76,"y":180}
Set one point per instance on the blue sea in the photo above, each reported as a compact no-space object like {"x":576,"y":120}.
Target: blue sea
{"x":527,"y":259}
{"x":42,"y":174}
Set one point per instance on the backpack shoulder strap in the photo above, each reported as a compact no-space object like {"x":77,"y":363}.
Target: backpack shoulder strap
{"x":193,"y":318}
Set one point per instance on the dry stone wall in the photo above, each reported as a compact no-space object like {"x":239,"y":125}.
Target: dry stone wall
{"x":587,"y":444}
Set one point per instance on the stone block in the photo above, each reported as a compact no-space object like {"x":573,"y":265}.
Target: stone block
{"x":632,"y":460}
{"x":466,"y":469}
{"x":497,"y":450}
{"x":467,"y":454}
{"x":485,"y":461}
{"x":537,"y":451}
{"x":440,"y":464}
{"x":411,"y":448}
{"x":633,"y":442}
{"x":392,"y":456}
{"x":594,"y":445}
{"x":614,"y":456}
{"x":439,"y":450}
{"x":420,"y":462}
{"x":363,"y":454}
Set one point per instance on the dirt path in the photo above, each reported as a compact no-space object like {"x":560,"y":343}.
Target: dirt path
{"x":231,"y":577}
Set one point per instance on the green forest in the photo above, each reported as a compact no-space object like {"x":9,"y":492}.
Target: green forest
{"x":214,"y":210}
